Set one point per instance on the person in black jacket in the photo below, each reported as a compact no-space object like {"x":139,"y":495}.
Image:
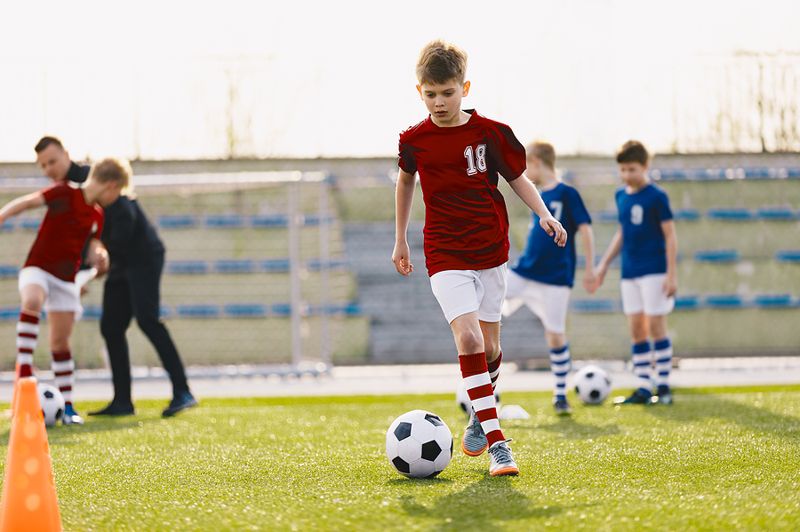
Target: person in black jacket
{"x":132,"y":289}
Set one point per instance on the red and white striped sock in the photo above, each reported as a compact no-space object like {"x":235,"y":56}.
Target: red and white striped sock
{"x":27,"y":335}
{"x":475,"y":372}
{"x":494,"y":369}
{"x":64,"y":371}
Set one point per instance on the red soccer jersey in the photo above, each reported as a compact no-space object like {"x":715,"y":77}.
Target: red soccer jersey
{"x":466,"y":222}
{"x":66,"y":226}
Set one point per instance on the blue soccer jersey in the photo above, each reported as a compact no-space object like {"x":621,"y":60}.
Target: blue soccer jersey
{"x":644,"y":250}
{"x":543,"y":260}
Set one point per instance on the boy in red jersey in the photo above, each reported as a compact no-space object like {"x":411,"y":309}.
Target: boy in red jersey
{"x":47,"y":279}
{"x":459,"y":155}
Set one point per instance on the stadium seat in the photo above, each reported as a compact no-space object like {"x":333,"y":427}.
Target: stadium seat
{"x":177,"y":222}
{"x":92,"y":312}
{"x":275,"y":265}
{"x":594,"y":305}
{"x":607,"y":216}
{"x":246,"y":310}
{"x":788,"y":255}
{"x":269,"y":221}
{"x":184,"y":267}
{"x":757,"y":173}
{"x":724,"y":301}
{"x":733,"y":215}
{"x":282,"y":309}
{"x":9,"y":314}
{"x":777,"y":214}
{"x":717,"y":255}
{"x":688,"y":215}
{"x":793,"y":172}
{"x":30,"y":224}
{"x":316,"y":264}
{"x":773,"y":300}
{"x":198,"y":311}
{"x":8,"y":270}
{"x":234,"y":266}
{"x":224,"y":221}
{"x":689,"y":302}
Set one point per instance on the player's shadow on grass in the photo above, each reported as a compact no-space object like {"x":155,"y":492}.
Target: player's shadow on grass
{"x":692,"y":407}
{"x":572,"y":429}
{"x":479,"y":506}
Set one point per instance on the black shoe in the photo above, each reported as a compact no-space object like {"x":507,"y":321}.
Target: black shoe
{"x":182,"y":401}
{"x":663,"y":395}
{"x":115,"y":409}
{"x":561,"y":406}
{"x":639,"y":397}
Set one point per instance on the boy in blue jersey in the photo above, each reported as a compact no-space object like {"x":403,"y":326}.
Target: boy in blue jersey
{"x":543,"y":276}
{"x":649,"y":248}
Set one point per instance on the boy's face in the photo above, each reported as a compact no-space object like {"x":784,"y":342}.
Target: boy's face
{"x":534,"y":169}
{"x":109,"y":193}
{"x":54,"y":162}
{"x":444,"y":100}
{"x":633,"y":174}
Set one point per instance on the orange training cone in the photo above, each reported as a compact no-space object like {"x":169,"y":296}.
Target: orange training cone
{"x":29,"y":499}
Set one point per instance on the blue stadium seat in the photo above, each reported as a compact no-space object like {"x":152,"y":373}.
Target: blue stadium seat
{"x":9,"y":314}
{"x":594,"y":305}
{"x":333,"y":264}
{"x":177,"y":222}
{"x":282,"y":309}
{"x":724,"y":301}
{"x":245,"y":311}
{"x":198,"y":311}
{"x":777,"y":214}
{"x":793,"y":172}
{"x":7,"y":226}
{"x":711,"y":174}
{"x":733,"y":215}
{"x":607,"y":216}
{"x":269,"y":221}
{"x":688,"y":215}
{"x":669,"y":174}
{"x":773,"y":300}
{"x":8,"y":270}
{"x":717,"y":255}
{"x":224,"y":221}
{"x":788,"y":255}
{"x":757,"y":173}
{"x":165,"y":312}
{"x":275,"y":265}
{"x":234,"y":266}
{"x":688,"y":302}
{"x":187,"y":267}
{"x":30,"y":224}
{"x":92,"y":312}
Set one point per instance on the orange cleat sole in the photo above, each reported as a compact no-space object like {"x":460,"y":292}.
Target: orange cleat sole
{"x":505,"y":472}
{"x":472,"y":453}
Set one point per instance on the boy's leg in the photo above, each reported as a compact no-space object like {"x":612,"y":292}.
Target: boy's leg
{"x":494,"y":354}
{"x":662,"y":355}
{"x":560,"y":364}
{"x":633,"y":307}
{"x":32,"y":298}
{"x":61,"y":326}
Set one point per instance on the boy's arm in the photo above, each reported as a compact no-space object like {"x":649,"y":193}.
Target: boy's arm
{"x":523,"y":188}
{"x":404,"y":195}
{"x":587,"y":239}
{"x":97,"y":256}
{"x":21,"y":204}
{"x":671,"y":239}
{"x":611,"y":253}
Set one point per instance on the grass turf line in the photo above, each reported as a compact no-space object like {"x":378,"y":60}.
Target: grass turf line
{"x":718,"y":459}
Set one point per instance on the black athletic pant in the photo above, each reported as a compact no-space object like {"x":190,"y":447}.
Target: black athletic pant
{"x":138,"y":295}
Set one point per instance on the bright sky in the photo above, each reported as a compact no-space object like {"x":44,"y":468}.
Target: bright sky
{"x":153,"y":78}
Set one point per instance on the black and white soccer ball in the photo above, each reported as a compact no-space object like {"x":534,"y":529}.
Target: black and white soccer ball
{"x":462,"y":398}
{"x":592,"y":385}
{"x":52,"y":403}
{"x":419,"y":444}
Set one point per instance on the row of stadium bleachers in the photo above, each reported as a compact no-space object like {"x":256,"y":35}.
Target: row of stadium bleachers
{"x":772,"y":214}
{"x":718,"y":256}
{"x":696,"y":302}
{"x":238,"y":310}
{"x":723,"y":174}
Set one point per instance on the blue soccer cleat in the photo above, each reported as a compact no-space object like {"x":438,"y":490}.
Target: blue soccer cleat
{"x":71,"y":417}
{"x":474,"y":442}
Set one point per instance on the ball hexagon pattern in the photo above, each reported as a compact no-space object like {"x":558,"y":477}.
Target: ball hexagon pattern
{"x":419,"y":444}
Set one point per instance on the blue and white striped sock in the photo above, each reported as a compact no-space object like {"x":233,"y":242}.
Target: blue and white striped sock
{"x":560,"y":365}
{"x":642,"y":364}
{"x":663,"y":359}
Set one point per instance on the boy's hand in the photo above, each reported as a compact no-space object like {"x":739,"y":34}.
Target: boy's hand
{"x":590,"y":280}
{"x":670,"y":287}
{"x":99,"y":259}
{"x":554,"y":228}
{"x":401,"y":256}
{"x":600,"y":276}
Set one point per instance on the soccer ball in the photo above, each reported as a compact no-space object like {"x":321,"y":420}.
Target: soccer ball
{"x":419,"y":444}
{"x":592,"y":385}
{"x":52,"y":403}
{"x":462,"y":398}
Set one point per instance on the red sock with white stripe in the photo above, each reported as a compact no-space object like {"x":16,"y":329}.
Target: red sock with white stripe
{"x":475,"y":372}
{"x":27,"y":335}
{"x":64,"y":371}
{"x":494,"y":369}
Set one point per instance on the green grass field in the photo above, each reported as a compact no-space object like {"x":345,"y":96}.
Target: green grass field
{"x":717,"y":459}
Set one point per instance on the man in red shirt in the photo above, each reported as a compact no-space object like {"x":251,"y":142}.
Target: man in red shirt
{"x":47,"y":279}
{"x":459,"y":156}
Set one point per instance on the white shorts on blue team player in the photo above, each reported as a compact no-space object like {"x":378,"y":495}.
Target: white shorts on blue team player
{"x":548,"y":302}
{"x":460,"y":292}
{"x":646,"y":295}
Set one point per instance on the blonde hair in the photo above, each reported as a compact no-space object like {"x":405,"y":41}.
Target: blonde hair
{"x":543,"y":151}
{"x":440,"y":62}
{"x":113,"y":169}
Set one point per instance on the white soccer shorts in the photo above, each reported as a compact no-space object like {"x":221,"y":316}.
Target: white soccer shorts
{"x":548,"y":302}
{"x":61,"y":296}
{"x":646,"y":294}
{"x":460,"y":292}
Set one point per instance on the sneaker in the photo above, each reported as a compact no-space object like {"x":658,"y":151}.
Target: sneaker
{"x":502,"y":461}
{"x":639,"y":397}
{"x":71,"y":417}
{"x":474,"y":442}
{"x":562,"y":407}
{"x":663,"y":395}
{"x":115,"y":409}
{"x":182,"y":401}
